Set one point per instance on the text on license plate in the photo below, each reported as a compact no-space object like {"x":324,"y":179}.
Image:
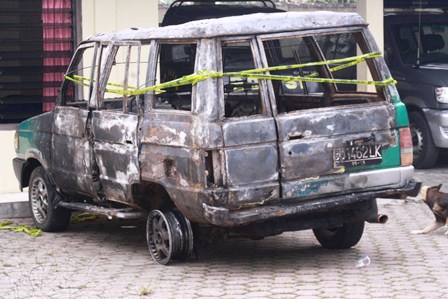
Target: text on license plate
{"x":358,"y":155}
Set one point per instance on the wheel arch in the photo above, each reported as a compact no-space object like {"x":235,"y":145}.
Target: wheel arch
{"x":424,"y":149}
{"x":28,"y":167}
{"x":413,"y":108}
{"x":33,"y":158}
{"x":152,"y":196}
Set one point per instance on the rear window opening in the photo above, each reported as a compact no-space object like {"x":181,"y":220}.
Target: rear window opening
{"x":324,"y":84}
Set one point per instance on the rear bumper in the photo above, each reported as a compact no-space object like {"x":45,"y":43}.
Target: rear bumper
{"x":438,"y":124}
{"x":224,"y":217}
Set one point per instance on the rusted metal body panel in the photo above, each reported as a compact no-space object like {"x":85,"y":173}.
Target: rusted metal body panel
{"x":342,"y":206}
{"x":170,"y":157}
{"x":244,"y":165}
{"x":179,"y":171}
{"x":340,"y":183}
{"x":168,"y":152}
{"x":115,"y":139}
{"x":71,"y":150}
{"x":247,"y":142}
{"x":168,"y":128}
{"x":242,"y":132}
{"x":307,"y":139}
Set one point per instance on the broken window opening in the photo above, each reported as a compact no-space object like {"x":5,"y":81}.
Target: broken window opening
{"x":78,"y":87}
{"x":241,"y":95}
{"x":128,"y":71}
{"x":295,"y":95}
{"x":175,"y":61}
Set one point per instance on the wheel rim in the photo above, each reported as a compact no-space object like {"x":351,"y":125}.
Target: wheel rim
{"x":159,"y":237}
{"x":39,"y":200}
{"x":169,"y":236}
{"x":417,"y":141}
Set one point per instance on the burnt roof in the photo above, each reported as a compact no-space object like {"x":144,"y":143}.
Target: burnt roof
{"x":259,"y":23}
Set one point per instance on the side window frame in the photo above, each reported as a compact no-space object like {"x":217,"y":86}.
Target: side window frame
{"x":107,"y":52}
{"x":107,"y":83}
{"x":154,"y":75}
{"x":265,"y":107}
{"x":77,"y":61}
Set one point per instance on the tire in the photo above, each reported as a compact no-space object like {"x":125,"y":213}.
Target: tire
{"x":42,"y":198}
{"x":424,"y":150}
{"x":185,"y":232}
{"x":343,"y":237}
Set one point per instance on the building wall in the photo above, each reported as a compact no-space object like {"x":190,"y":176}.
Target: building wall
{"x":370,"y":10}
{"x":113,"y":15}
{"x":96,"y":16}
{"x":8,"y":181}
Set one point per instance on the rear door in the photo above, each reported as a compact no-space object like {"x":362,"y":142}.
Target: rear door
{"x":249,"y":130}
{"x":115,"y":124}
{"x":327,"y":131}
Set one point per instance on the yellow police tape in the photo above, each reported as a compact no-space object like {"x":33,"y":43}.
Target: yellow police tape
{"x":31,"y":231}
{"x":254,"y":74}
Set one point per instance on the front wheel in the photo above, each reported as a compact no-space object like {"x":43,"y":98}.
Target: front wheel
{"x":341,"y":237}
{"x":42,"y":197}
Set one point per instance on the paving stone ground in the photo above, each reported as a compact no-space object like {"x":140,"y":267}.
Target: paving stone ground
{"x":109,"y":259}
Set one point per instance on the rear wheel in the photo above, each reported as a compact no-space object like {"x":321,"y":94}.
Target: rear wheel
{"x":42,"y":198}
{"x":424,"y":151}
{"x":341,"y":237}
{"x":169,"y":236}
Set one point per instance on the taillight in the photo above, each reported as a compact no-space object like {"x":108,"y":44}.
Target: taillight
{"x":406,"y":146}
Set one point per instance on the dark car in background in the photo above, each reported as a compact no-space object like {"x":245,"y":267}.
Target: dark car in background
{"x":416,"y":51}
{"x":182,"y":11}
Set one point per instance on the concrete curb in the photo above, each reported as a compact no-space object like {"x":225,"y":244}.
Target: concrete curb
{"x":14,"y":205}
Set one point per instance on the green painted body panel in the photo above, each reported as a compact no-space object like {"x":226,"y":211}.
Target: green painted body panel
{"x":402,"y":118}
{"x":27,"y":135}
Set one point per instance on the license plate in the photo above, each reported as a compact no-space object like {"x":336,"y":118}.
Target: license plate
{"x":357,"y":155}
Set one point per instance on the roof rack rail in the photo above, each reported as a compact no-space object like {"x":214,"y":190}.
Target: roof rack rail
{"x":265,"y":3}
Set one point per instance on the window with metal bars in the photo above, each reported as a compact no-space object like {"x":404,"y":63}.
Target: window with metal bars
{"x":36,"y":45}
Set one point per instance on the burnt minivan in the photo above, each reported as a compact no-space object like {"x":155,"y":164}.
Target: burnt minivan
{"x":243,"y":124}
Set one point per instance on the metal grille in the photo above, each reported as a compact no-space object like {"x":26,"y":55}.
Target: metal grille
{"x":57,"y":21}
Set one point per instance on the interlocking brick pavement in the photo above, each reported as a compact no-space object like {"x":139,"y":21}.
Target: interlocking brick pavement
{"x":109,"y":259}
